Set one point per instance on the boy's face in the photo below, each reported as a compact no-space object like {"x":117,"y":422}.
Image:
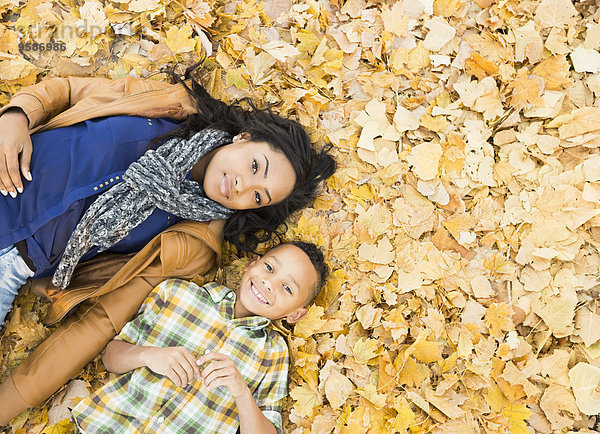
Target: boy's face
{"x":276,"y":285}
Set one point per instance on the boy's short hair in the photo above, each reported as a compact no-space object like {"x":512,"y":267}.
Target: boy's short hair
{"x":317,"y":260}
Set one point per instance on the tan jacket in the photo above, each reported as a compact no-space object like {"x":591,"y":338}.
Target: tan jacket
{"x":184,"y":249}
{"x":59,"y":102}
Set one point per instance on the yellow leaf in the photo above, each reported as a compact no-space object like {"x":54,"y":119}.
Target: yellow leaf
{"x":526,"y":90}
{"x":498,"y":317}
{"x":427,"y":351}
{"x":306,"y":400}
{"x":310,"y":323}
{"x":425,"y":159}
{"x":331,"y":289}
{"x":236,"y":78}
{"x":584,"y":380}
{"x":555,"y":72}
{"x":517,"y":414}
{"x":410,"y":372}
{"x":178,"y":39}
{"x":449,"y":362}
{"x":382,"y":253}
{"x":337,"y":389}
{"x":369,"y":392}
{"x":365,"y":349}
{"x":63,"y":427}
{"x":424,"y":350}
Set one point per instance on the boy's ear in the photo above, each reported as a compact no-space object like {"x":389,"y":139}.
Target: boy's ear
{"x":246,"y":135}
{"x":296,"y":315}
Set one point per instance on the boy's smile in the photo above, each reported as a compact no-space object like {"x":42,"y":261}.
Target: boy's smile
{"x":276,"y":285}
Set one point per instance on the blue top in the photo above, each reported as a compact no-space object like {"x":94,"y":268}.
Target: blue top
{"x":70,"y":167}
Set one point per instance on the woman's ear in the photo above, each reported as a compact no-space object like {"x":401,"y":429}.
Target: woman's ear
{"x":296,"y":315}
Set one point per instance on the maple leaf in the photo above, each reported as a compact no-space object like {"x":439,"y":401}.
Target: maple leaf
{"x":526,"y":90}
{"x":517,"y":414}
{"x":498,"y":318}
{"x":306,"y":400}
{"x":551,"y":13}
{"x":178,"y":39}
{"x":365,"y":349}
{"x":311,"y":322}
{"x":63,"y":427}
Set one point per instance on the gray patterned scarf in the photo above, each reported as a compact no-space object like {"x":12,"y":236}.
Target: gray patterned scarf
{"x":155,"y":180}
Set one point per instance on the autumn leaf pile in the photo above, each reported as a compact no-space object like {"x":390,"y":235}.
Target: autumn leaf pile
{"x":463,"y":224}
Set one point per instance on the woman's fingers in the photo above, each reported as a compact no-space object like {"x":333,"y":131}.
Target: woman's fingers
{"x":5,"y":176}
{"x":26,"y":159}
{"x":12,"y":163}
{"x":3,"y":189}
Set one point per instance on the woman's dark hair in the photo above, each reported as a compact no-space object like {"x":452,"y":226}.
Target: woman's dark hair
{"x":247,"y":228}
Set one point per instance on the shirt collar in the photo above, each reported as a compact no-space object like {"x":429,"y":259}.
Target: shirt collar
{"x":219,"y":293}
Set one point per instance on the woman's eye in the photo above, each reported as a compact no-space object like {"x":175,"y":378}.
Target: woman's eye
{"x":254,"y":166}
{"x":269,"y":268}
{"x":287,"y":288}
{"x":257,"y":198}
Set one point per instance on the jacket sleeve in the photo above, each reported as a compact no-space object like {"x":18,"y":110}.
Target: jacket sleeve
{"x":48,"y":98}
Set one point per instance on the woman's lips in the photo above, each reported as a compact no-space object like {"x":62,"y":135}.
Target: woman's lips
{"x":225,"y":186}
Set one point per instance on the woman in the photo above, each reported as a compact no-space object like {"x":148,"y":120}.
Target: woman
{"x":283,"y":175}
{"x":86,"y":195}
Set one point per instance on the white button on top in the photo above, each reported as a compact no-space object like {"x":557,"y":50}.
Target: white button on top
{"x":230,"y":295}
{"x":229,"y":323}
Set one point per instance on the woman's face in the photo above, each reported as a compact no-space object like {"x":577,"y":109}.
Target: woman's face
{"x":248,"y":175}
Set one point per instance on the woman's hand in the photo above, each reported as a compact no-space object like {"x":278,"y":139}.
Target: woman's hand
{"x":221,"y":371}
{"x":14,"y":140}
{"x":177,"y":363}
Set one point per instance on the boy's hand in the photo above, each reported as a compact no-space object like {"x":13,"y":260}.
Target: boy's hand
{"x":222,"y":372}
{"x":177,"y":363}
{"x":14,"y":140}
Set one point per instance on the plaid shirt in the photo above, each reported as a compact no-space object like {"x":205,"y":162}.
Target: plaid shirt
{"x":201,"y":319}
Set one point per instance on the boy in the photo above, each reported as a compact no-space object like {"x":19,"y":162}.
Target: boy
{"x":201,"y":359}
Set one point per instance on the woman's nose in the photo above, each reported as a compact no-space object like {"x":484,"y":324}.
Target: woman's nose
{"x":242,"y":185}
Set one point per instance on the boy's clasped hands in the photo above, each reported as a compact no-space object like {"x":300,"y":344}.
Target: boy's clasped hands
{"x":181,"y":366}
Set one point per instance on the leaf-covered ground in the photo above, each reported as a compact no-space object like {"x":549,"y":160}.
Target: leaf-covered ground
{"x":462,"y":227}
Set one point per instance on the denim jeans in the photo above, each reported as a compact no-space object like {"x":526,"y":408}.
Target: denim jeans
{"x":13,"y":274}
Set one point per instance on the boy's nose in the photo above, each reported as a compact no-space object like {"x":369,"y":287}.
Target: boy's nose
{"x":266,"y":285}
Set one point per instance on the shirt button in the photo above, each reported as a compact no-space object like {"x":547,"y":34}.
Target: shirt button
{"x":230,"y":295}
{"x":229,"y":324}
{"x":160,"y":420}
{"x":206,"y":351}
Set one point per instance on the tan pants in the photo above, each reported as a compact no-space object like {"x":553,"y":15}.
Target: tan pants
{"x":70,"y":347}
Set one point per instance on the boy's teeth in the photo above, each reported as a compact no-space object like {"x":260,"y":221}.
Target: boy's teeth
{"x":258,"y":295}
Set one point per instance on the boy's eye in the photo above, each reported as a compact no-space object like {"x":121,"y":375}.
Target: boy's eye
{"x":269,"y":268}
{"x":254,"y":166}
{"x":287,"y":288}
{"x":257,"y":198}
